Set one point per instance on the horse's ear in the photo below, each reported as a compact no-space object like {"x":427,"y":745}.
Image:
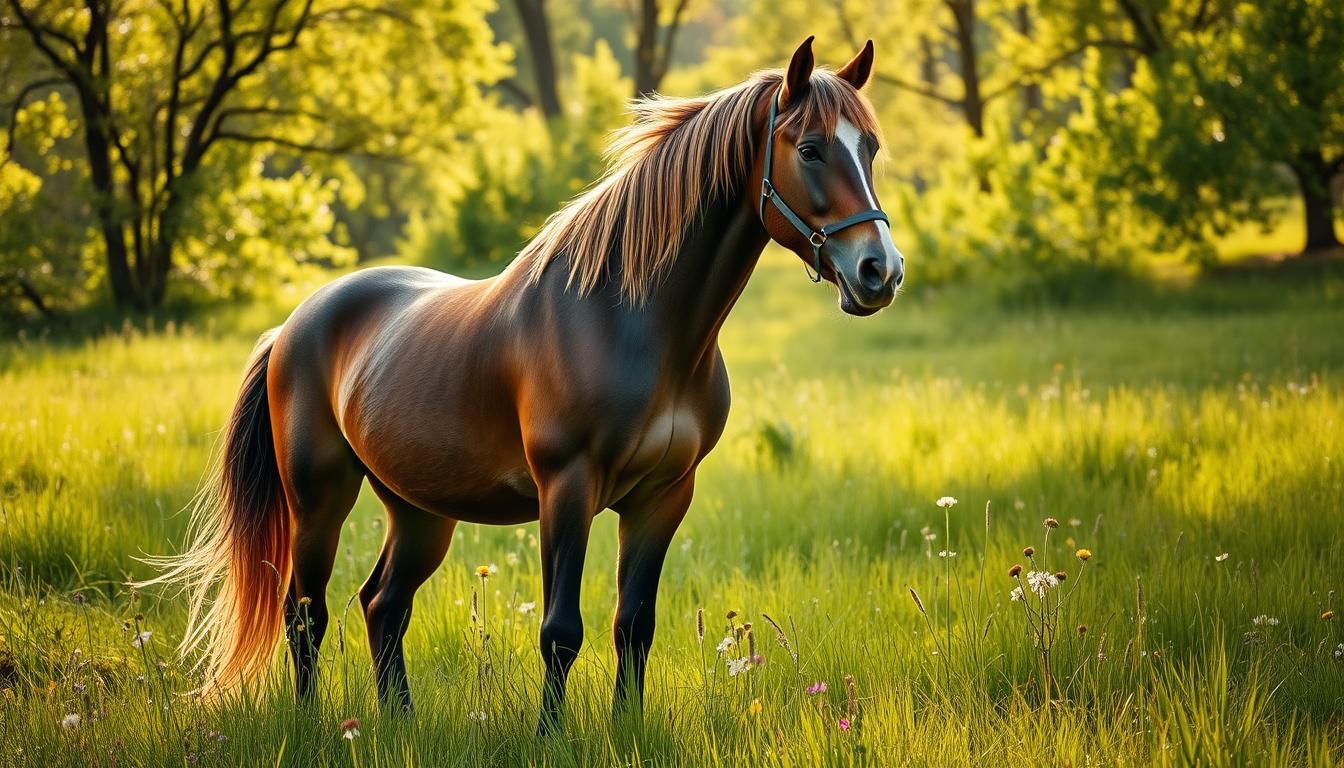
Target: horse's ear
{"x":859,"y":68}
{"x":799,"y":75}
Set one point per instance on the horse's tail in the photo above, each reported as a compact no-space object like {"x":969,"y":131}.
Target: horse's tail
{"x":237,"y":564}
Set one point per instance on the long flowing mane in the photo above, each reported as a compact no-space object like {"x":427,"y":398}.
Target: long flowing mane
{"x":675,"y":157}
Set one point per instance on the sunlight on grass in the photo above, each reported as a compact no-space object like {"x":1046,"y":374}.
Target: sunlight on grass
{"x":1194,"y":449}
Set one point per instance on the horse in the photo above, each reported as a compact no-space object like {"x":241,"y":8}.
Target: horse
{"x":586,"y":376}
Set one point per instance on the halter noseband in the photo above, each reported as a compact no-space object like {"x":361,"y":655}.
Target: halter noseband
{"x":815,"y":237}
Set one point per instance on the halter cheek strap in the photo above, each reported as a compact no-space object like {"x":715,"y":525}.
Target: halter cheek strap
{"x":815,"y":237}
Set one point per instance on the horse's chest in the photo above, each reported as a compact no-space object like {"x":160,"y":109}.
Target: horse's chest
{"x":672,"y":441}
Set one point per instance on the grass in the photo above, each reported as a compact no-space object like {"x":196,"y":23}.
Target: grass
{"x":1162,"y":426}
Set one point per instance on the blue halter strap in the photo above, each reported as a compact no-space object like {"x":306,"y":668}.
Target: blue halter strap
{"x":815,"y":237}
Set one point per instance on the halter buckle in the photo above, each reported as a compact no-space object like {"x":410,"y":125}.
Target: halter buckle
{"x":817,"y":239}
{"x":767,"y":189}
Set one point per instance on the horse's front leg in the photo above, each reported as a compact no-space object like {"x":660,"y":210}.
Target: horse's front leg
{"x":646,"y":532}
{"x":568,"y":503}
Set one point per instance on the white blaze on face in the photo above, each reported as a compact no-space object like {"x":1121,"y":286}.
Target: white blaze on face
{"x":849,"y":136}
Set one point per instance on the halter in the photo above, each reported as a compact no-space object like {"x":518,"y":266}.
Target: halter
{"x":815,"y":237}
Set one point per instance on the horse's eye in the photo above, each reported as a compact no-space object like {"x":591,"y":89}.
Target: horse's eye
{"x":809,"y":153}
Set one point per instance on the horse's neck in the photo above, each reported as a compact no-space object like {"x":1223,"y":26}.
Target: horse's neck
{"x":717,"y":256}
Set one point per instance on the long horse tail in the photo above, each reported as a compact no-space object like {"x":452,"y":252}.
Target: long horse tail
{"x":237,"y":564}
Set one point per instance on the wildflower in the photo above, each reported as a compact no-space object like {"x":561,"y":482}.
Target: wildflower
{"x":1015,"y":571}
{"x":519,"y":533}
{"x":946,"y":553}
{"x":700,"y":624}
{"x":527,"y":607}
{"x":754,"y":708}
{"x":947,"y":502}
{"x":1220,"y":558}
{"x":757,"y":660}
{"x":477,"y":715}
{"x":79,"y":598}
{"x":78,"y":687}
{"x":511,"y":558}
{"x":1050,"y":523}
{"x":1327,"y":614}
{"x":1338,"y":654}
{"x":1016,"y":595}
{"x":350,"y":726}
{"x":492,"y":569}
{"x":1263,"y":620}
{"x":844,"y":723}
{"x":483,"y":571}
{"x":731,"y":615}
{"x":1061,"y":576}
{"x":1083,"y":554}
{"x":816,"y":688}
{"x":141,"y":639}
{"x":1082,"y":630}
{"x":305,"y":601}
{"x":1028,"y":551}
{"x":1040,"y":581}
{"x":738,"y":666}
{"x":1075,"y":522}
{"x":726,"y":644}
{"x":70,"y":722}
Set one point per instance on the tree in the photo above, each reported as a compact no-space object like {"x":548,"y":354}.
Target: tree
{"x":1277,"y":87}
{"x":655,"y":40}
{"x":163,"y":85}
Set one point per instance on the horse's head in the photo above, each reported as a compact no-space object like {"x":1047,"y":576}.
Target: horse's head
{"x":817,"y":196}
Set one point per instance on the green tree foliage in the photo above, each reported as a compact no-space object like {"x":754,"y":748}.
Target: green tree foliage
{"x":522,"y":169}
{"x":181,"y":103}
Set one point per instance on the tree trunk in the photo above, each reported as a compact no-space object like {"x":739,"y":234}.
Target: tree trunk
{"x":1031,"y":91}
{"x":646,"y":50}
{"x":972,"y":103}
{"x":537,"y":30}
{"x":1314,"y":175}
{"x":98,"y":147}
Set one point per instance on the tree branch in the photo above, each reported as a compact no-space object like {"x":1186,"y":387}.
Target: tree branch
{"x":916,"y":88}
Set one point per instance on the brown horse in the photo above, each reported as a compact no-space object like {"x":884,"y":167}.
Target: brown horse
{"x":586,"y":376}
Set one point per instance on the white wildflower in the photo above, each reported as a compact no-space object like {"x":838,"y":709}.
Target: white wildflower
{"x":738,"y":666}
{"x":1040,"y":581}
{"x":947,"y":502}
{"x":70,"y":722}
{"x":1220,"y":558}
{"x":726,"y":644}
{"x":478,"y":715}
{"x":511,"y":558}
{"x":141,"y":639}
{"x":493,"y":569}
{"x":1339,"y":652}
{"x":1016,"y":595}
{"x":946,"y":553}
{"x":527,"y":607}
{"x":1263,"y":620}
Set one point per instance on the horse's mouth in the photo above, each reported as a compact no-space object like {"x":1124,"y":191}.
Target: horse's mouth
{"x":851,"y":305}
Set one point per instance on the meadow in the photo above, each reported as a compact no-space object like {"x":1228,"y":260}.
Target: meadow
{"x":1189,"y":437}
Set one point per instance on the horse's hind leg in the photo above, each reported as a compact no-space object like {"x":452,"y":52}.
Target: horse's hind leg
{"x":414,"y":548}
{"x":321,"y":476}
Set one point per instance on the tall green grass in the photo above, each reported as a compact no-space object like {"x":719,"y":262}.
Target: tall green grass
{"x":1162,"y":427}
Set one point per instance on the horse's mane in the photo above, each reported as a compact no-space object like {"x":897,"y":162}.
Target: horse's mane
{"x":676,"y":156}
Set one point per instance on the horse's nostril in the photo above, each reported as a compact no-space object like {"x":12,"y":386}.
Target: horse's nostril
{"x":871,"y":274}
